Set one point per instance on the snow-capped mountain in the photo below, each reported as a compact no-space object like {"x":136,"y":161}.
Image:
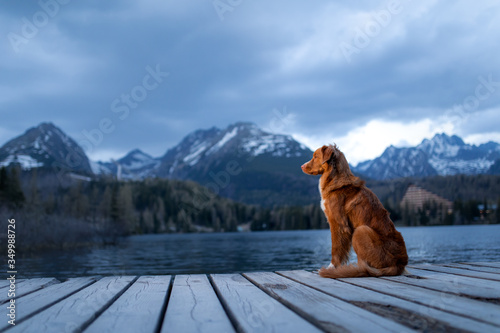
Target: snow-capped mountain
{"x":396,"y":163}
{"x":243,"y":162}
{"x":442,"y":155}
{"x":244,"y":142}
{"x":135,"y":165}
{"x":45,"y":146}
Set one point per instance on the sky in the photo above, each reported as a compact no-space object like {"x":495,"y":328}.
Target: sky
{"x":120,"y":75}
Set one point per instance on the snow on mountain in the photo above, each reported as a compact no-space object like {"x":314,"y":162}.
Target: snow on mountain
{"x":27,"y":162}
{"x":243,"y":162}
{"x":195,"y":154}
{"x":442,"y":155}
{"x":135,"y":165}
{"x":239,"y":140}
{"x":225,"y":139}
{"x":45,"y":146}
{"x":469,"y":167}
{"x":276,"y":145}
{"x":137,"y":160}
{"x":442,"y":146}
{"x":203,"y":152}
{"x":101,"y":168}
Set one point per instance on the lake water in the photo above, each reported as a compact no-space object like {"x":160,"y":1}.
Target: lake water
{"x":245,"y":252}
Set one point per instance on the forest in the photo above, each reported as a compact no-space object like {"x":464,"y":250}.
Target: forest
{"x":54,"y":214}
{"x":59,"y":213}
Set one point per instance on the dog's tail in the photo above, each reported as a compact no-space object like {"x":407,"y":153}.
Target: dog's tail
{"x":361,"y":270}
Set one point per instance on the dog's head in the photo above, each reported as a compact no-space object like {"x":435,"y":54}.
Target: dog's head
{"x":326,"y":158}
{"x":320,"y":161}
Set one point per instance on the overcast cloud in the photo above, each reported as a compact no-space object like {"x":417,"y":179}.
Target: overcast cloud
{"x":364,"y":75}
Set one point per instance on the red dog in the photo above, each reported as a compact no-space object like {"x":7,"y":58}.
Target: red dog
{"x":356,"y":217}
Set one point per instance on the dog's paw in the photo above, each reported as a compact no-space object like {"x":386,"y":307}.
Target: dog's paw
{"x":324,"y":269}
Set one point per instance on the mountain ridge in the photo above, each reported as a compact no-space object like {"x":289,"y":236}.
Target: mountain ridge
{"x":442,"y":155}
{"x":45,"y":146}
{"x":263,"y":164}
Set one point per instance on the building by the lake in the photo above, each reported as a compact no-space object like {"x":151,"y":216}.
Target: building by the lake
{"x":422,"y":207}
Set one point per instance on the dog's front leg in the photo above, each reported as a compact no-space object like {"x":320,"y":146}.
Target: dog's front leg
{"x":341,"y":242}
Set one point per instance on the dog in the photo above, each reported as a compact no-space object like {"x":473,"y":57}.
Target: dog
{"x":356,"y":217}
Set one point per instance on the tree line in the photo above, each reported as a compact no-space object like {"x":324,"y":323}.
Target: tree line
{"x":68,"y":212}
{"x":475,"y":198}
{"x":55,"y":213}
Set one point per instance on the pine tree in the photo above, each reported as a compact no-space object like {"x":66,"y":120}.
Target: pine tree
{"x":407,"y":220}
{"x":3,"y":184}
{"x":77,"y":202}
{"x":498,"y":211}
{"x":147,"y":225}
{"x":159,"y":216}
{"x":14,"y":192}
{"x":105,"y":204}
{"x":34,"y":195}
{"x":114,"y":213}
{"x":125,"y":209}
{"x":50,"y":204}
{"x":94,"y":202}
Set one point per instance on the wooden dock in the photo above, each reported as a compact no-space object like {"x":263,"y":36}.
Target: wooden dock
{"x":435,"y":298}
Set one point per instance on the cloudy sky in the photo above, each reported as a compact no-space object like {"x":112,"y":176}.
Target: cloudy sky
{"x":146,"y":73}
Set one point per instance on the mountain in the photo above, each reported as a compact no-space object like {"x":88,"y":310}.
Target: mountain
{"x":495,"y":168}
{"x":246,"y":163}
{"x":135,"y":165}
{"x":45,"y":146}
{"x":243,"y":162}
{"x":442,"y":155}
{"x":243,"y":142}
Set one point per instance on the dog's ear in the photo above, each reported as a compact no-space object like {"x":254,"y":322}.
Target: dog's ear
{"x":327,"y":152}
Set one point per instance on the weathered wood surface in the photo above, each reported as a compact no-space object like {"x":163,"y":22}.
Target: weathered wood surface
{"x":33,"y":303}
{"x":77,"y":311}
{"x":485,"y":264}
{"x":194,"y":307}
{"x":462,"y":297}
{"x":329,"y":313}
{"x":139,"y":309}
{"x":459,"y":271}
{"x":252,"y":310}
{"x":26,"y":287}
{"x":450,"y":283}
{"x":417,"y":315}
{"x":475,"y":268}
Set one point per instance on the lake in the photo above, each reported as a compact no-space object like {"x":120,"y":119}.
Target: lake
{"x":255,"y":251}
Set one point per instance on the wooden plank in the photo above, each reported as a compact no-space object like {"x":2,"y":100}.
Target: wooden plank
{"x":452,"y":284}
{"x":252,"y":310}
{"x":6,"y":283}
{"x":417,"y":316}
{"x":194,"y":307}
{"x":77,"y":311}
{"x":40,"y":300}
{"x":458,"y":271}
{"x":463,"y":306}
{"x":139,"y":309}
{"x":484,"y":264}
{"x":28,"y":286}
{"x":475,"y":268}
{"x":327,"y":312}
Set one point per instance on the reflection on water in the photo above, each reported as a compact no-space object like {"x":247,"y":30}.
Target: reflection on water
{"x":244,"y":252}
